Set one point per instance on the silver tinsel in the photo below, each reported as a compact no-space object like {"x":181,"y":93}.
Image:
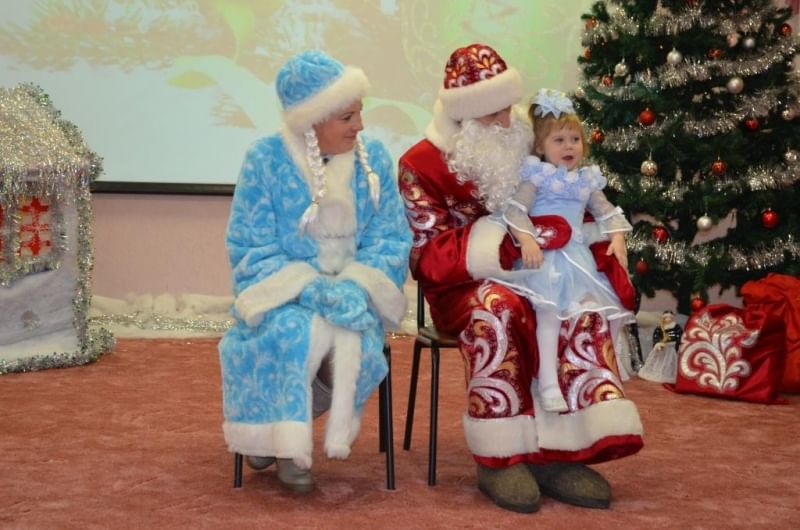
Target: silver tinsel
{"x":758,"y":105}
{"x":695,"y":70}
{"x":156,"y":322}
{"x":680,"y":253}
{"x":664,"y":22}
{"x":757,"y":178}
{"x":619,"y":22}
{"x":43,"y":155}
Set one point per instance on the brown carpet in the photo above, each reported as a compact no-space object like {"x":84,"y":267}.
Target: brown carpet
{"x":134,"y":441}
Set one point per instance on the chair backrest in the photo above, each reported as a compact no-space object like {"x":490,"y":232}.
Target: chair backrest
{"x":420,"y":307}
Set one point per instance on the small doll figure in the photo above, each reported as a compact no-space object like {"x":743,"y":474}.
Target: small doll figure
{"x":661,"y":365}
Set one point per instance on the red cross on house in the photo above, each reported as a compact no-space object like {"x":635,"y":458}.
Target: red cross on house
{"x":34,"y":228}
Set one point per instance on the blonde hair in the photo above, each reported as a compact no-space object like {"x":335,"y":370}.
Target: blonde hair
{"x":543,"y":126}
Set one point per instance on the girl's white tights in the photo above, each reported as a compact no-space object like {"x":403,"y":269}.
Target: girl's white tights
{"x":547,"y":329}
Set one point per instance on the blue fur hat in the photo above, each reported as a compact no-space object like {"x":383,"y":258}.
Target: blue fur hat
{"x":313,"y":85}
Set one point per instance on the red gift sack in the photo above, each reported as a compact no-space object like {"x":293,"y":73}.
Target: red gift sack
{"x":731,"y":353}
{"x":779,"y":295}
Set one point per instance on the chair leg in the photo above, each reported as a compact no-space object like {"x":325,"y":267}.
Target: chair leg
{"x":412,"y":395}
{"x":382,"y":405}
{"x":434,"y":414}
{"x":385,"y":422}
{"x":237,"y":470}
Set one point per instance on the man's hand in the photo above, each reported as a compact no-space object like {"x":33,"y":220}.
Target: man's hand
{"x":618,"y":248}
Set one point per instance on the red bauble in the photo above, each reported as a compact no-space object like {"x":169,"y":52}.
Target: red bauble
{"x":718,"y":167}
{"x":714,"y":54}
{"x":587,"y":53}
{"x":641,"y":266}
{"x":751,"y":124}
{"x":608,"y":80}
{"x":769,"y":219}
{"x":660,"y":234}
{"x":696,"y":304}
{"x":647,"y":117}
{"x":785,"y":29}
{"x":597,"y":136}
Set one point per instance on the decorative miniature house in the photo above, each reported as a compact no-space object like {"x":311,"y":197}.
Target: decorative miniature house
{"x":45,"y":237}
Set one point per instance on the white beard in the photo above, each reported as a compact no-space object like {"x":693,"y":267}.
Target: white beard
{"x":491,"y":157}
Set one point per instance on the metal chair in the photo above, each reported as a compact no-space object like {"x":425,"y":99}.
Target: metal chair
{"x":385,"y":433}
{"x":427,"y":337}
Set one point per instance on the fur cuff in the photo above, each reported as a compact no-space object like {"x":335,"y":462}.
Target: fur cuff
{"x":286,"y":439}
{"x":501,"y":437}
{"x":273,"y":291}
{"x":389,"y":300}
{"x":582,"y":429}
{"x":483,"y":248}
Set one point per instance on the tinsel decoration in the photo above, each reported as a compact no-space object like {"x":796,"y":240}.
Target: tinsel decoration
{"x":678,"y":253}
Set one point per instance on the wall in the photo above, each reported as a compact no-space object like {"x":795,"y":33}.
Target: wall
{"x":154,"y":244}
{"x":175,"y":244}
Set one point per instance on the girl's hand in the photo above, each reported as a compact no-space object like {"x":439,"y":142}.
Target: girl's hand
{"x":532,"y":255}
{"x":619,"y":249}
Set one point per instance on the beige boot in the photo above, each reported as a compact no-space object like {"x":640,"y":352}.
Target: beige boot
{"x":512,"y":488}
{"x":572,"y":483}
{"x":293,"y":477}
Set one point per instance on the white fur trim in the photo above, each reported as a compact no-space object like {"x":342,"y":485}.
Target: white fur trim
{"x":389,"y":300}
{"x":483,"y":248}
{"x":352,"y":85}
{"x":441,"y":129}
{"x":482,"y":98}
{"x":581,"y":429}
{"x":273,"y":291}
{"x":501,"y":437}
{"x":286,"y":439}
{"x":342,"y":418}
{"x":504,"y":437}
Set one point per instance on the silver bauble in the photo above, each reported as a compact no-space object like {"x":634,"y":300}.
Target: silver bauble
{"x":788,"y":114}
{"x":674,"y":57}
{"x":580,"y":93}
{"x":735,"y":85}
{"x":791,"y":156}
{"x":749,"y":43}
{"x":704,"y":223}
{"x":621,"y":69}
{"x":733,"y":39}
{"x":649,"y":168}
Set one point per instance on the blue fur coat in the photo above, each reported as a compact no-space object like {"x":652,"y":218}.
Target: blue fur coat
{"x":282,"y":331}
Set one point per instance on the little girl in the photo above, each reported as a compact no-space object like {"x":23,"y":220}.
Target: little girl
{"x":562,"y":283}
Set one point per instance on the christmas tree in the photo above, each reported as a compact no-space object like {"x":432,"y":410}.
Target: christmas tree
{"x":692,"y":109}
